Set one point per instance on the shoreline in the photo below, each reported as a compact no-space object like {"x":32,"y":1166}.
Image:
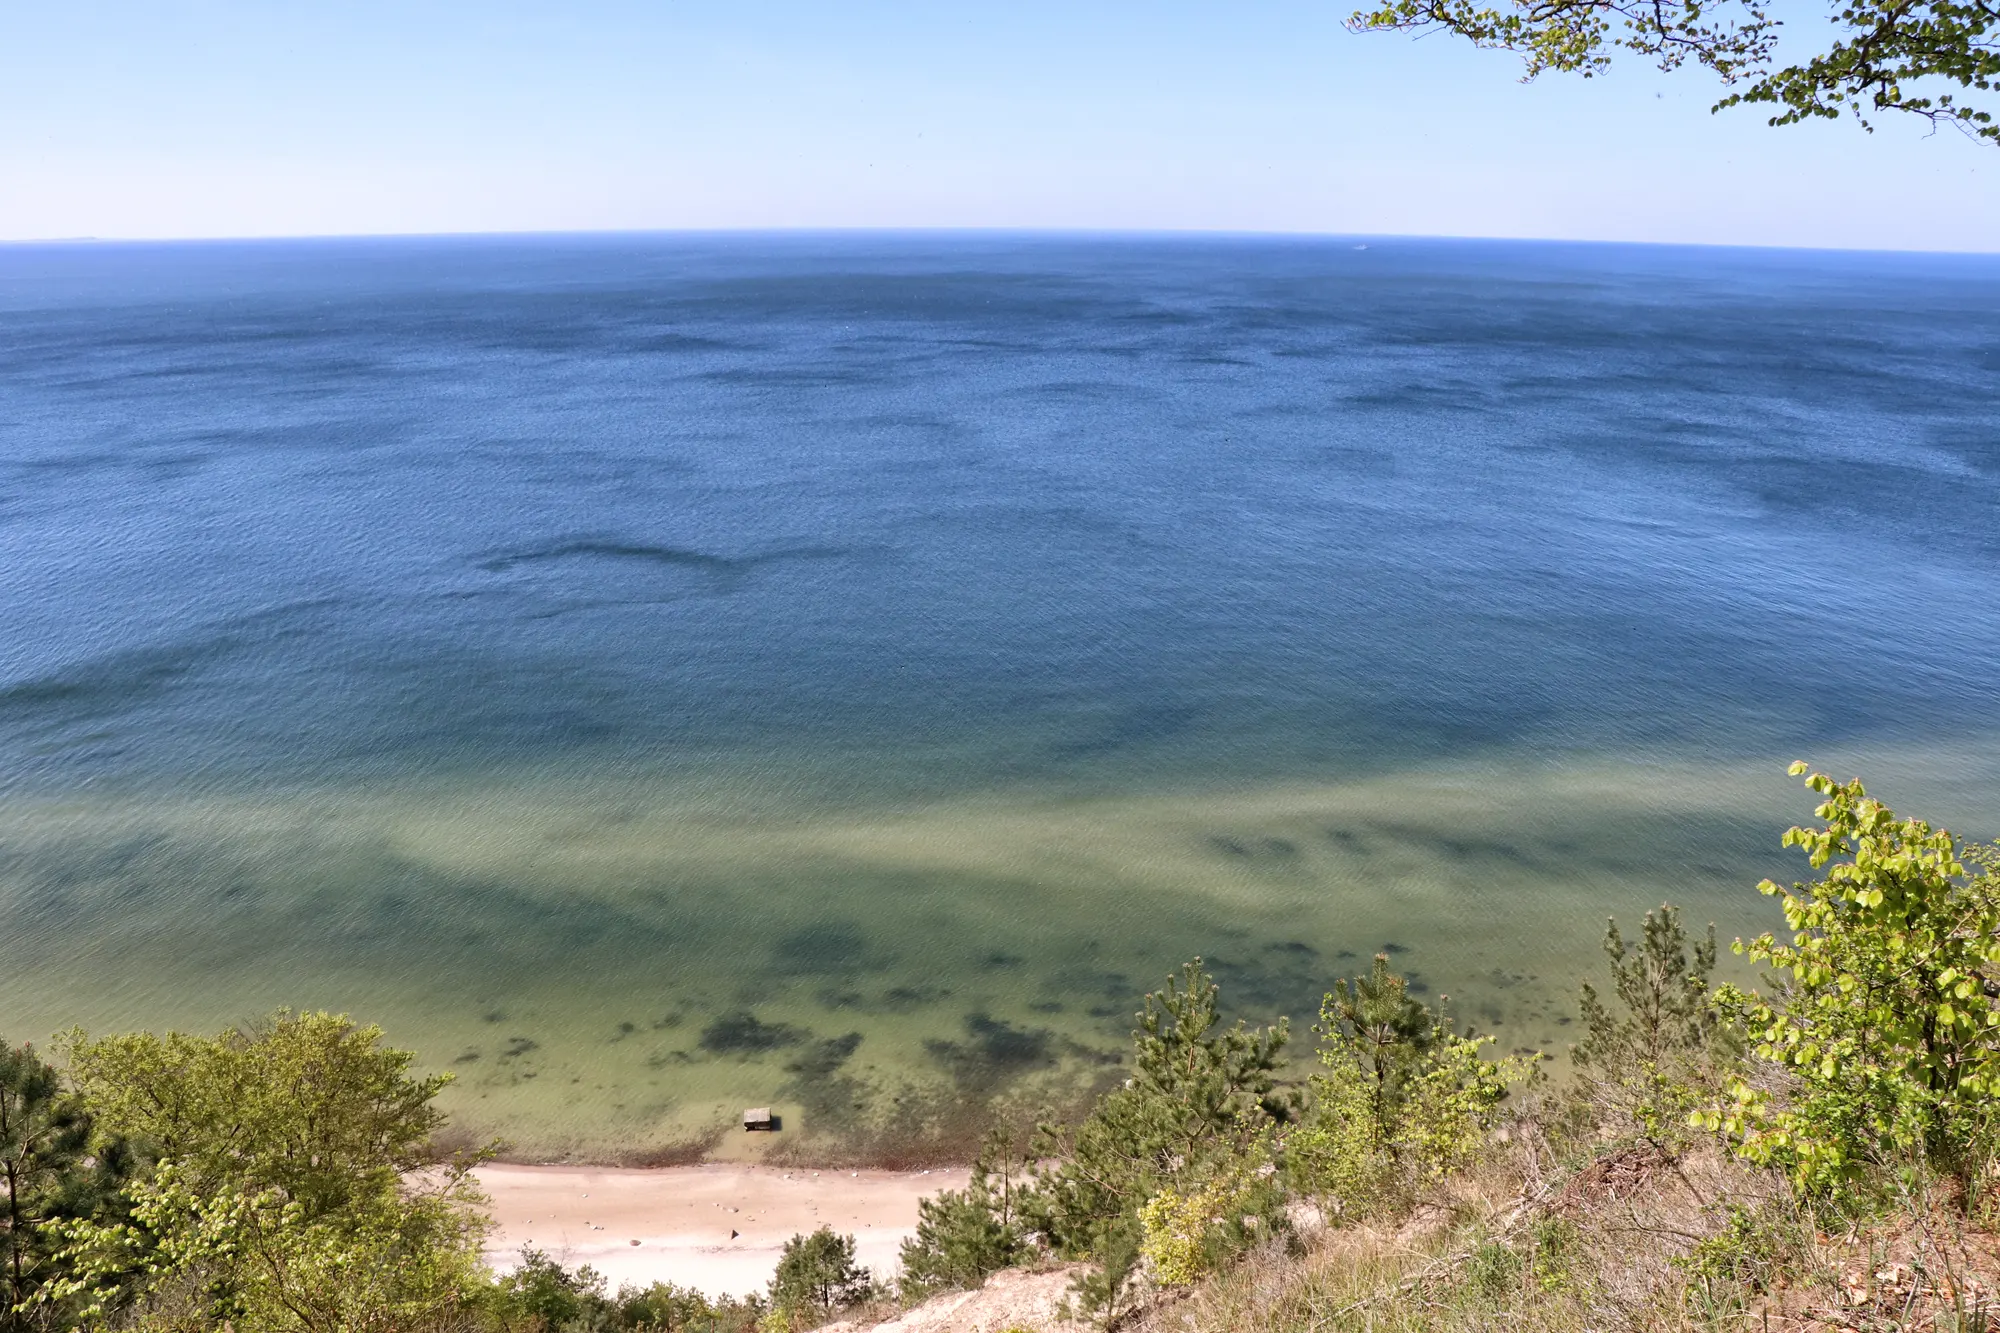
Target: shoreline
{"x":718,"y":1227}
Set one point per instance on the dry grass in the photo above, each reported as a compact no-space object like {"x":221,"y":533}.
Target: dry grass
{"x":1643,"y":1242}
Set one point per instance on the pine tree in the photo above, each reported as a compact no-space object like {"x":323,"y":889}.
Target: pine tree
{"x":964,"y":1235}
{"x":48,"y":1174}
{"x":1642,"y":1068}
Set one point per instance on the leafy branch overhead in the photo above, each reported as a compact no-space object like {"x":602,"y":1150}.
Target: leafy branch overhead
{"x":1920,"y":57}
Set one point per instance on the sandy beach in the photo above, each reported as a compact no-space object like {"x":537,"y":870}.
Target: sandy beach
{"x":717,"y":1228}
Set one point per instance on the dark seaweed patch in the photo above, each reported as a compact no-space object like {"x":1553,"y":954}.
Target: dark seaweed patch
{"x":1298,"y":948}
{"x":1281,"y":849}
{"x":836,"y":947}
{"x":902,"y":999}
{"x":1082,"y":981}
{"x":994,"y":1051}
{"x":517,"y":1047}
{"x":1275,"y":981}
{"x":822,"y":1058}
{"x":743,"y":1033}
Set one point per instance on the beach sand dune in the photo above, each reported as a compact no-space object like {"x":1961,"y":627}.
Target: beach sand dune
{"x":683,"y":1218}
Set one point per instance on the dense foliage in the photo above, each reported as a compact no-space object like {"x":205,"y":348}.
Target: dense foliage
{"x":817,"y":1275}
{"x":1889,"y":1028}
{"x":56,"y":1170}
{"x":294,"y":1184}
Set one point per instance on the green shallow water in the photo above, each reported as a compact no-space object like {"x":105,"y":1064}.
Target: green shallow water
{"x":582,"y":953}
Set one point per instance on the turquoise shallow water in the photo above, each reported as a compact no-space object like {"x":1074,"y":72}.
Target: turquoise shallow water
{"x":658,"y":674}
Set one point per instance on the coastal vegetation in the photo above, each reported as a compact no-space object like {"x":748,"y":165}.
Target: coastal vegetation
{"x":1820,"y":1146}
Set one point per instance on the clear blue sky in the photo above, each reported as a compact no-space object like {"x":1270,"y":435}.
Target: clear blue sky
{"x":282,"y":117}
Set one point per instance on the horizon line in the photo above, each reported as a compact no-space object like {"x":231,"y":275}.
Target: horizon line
{"x":1105,"y":233}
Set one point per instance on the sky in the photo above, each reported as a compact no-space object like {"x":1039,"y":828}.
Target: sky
{"x":214,"y":118}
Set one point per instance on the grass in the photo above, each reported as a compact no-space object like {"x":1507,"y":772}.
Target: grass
{"x":1702,"y":1243}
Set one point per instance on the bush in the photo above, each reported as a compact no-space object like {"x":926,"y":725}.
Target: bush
{"x":817,"y":1275}
{"x":542,"y":1289}
{"x":1889,"y":1024}
{"x":1187,"y":1233}
{"x":296,"y":1186}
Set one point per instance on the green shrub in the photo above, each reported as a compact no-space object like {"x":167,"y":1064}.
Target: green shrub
{"x":1185,"y":1233}
{"x":1495,"y":1270}
{"x":1889,"y":1024}
{"x":817,"y":1275}
{"x":297,"y":1186}
{"x":542,"y":1289}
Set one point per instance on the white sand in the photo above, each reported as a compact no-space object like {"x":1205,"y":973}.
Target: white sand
{"x":682,"y":1217}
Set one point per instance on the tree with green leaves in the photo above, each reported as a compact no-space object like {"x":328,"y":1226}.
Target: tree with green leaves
{"x":53,"y":1170}
{"x":817,"y":1275}
{"x":1917,"y":57}
{"x":1889,"y":1021}
{"x":297,"y":1186}
{"x":310,"y":1104}
{"x":542,"y":1290}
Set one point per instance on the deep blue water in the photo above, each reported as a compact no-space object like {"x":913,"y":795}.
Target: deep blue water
{"x":867,"y":522}
{"x":292,"y":507}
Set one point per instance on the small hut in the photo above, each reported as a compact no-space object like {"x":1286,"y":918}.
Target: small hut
{"x":760,"y":1117}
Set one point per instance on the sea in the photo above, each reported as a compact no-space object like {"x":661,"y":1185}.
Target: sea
{"x":655,"y":675}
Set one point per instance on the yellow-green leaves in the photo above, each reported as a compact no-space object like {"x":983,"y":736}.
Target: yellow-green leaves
{"x":1890,"y":1023}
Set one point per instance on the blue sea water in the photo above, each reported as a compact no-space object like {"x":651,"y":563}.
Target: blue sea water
{"x":791,"y":589}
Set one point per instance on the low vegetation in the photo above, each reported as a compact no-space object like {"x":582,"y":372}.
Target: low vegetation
{"x":1819,"y":1151}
